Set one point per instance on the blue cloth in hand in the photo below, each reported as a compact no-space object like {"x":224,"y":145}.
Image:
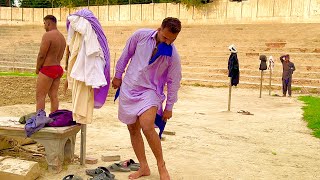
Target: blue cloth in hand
{"x":160,"y":123}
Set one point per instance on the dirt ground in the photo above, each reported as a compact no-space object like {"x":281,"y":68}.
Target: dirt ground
{"x":210,"y":143}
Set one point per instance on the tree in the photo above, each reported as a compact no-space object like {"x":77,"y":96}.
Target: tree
{"x":6,"y":3}
{"x":35,"y":3}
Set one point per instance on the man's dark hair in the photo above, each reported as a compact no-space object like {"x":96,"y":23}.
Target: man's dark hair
{"x":173,"y":24}
{"x":51,"y":18}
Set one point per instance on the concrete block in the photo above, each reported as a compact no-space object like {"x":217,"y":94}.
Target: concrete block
{"x":16,"y":169}
{"x":108,"y":158}
{"x":91,"y":160}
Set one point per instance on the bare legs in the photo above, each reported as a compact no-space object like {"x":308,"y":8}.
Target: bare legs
{"x":146,"y":123}
{"x":46,"y":85}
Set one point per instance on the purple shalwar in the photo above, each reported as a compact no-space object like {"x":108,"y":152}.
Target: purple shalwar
{"x":143,"y":84}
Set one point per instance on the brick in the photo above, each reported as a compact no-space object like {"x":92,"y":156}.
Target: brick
{"x":169,"y":133}
{"x":17,"y":169}
{"x":91,"y":160}
{"x":108,"y":158}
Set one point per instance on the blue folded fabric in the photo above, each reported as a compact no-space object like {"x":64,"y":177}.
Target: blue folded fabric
{"x":160,"y":123}
{"x":163,"y":50}
{"x":116,"y":95}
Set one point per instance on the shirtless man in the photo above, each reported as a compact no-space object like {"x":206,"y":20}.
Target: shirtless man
{"x":48,"y":64}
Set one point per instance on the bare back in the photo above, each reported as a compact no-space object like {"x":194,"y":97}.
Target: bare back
{"x":52,"y":47}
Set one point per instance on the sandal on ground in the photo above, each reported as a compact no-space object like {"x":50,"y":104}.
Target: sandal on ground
{"x":97,"y":171}
{"x":103,"y":176}
{"x":118,"y":167}
{"x":133,"y":166}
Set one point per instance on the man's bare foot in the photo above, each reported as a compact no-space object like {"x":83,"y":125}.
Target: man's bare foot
{"x":164,"y":174}
{"x":141,"y":172}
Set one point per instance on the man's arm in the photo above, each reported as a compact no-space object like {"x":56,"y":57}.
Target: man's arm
{"x":293,"y":67}
{"x":127,"y":53}
{"x":173,"y":85}
{"x":282,"y":58}
{"x":44,"y":47}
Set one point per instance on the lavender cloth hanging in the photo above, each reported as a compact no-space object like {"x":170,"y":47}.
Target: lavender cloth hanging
{"x":100,"y":94}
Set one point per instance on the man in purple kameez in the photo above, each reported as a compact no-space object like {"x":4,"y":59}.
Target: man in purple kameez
{"x":141,"y":92}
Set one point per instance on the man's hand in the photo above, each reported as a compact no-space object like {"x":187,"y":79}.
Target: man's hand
{"x":166,"y":115}
{"x":116,"y":83}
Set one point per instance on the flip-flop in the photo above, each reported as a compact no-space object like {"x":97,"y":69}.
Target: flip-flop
{"x":72,"y":177}
{"x":103,"y":176}
{"x":118,"y":167}
{"x":130,"y":164}
{"x":97,"y":171}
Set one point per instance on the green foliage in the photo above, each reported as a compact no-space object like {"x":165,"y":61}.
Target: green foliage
{"x":77,"y":3}
{"x":311,"y":113}
{"x":190,"y":3}
{"x":6,"y":3}
{"x":35,"y":4}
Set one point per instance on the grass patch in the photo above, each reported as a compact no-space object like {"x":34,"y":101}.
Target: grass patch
{"x":23,"y":74}
{"x":313,"y":91}
{"x":311,"y":113}
{"x":296,"y":88}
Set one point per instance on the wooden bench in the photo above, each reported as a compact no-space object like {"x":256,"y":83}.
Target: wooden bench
{"x":59,"y":142}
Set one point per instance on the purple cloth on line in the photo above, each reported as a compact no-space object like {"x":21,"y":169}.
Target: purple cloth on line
{"x":100,"y":94}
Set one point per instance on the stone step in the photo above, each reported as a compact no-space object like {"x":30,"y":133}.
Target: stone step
{"x":254,"y":79}
{"x":16,"y":169}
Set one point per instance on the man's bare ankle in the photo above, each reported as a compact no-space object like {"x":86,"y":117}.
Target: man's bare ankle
{"x":161,"y":164}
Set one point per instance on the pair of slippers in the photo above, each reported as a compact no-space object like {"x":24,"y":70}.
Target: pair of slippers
{"x":124,"y":166}
{"x":100,"y":173}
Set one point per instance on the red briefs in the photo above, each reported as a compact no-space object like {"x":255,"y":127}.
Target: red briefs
{"x":53,"y":72}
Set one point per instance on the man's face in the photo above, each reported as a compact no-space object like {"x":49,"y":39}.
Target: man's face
{"x":286,"y":59}
{"x":164,"y":35}
{"x":46,"y":24}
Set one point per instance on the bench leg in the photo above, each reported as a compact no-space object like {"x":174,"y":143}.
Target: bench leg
{"x":69,"y":149}
{"x":54,"y":153}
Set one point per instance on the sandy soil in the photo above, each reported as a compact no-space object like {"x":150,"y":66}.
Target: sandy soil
{"x":210,"y":143}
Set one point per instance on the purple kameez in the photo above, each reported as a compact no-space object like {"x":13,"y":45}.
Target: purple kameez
{"x":143,"y":84}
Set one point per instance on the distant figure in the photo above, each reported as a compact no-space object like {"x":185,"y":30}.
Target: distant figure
{"x":48,"y":64}
{"x":288,"y":68}
{"x":233,"y":66}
